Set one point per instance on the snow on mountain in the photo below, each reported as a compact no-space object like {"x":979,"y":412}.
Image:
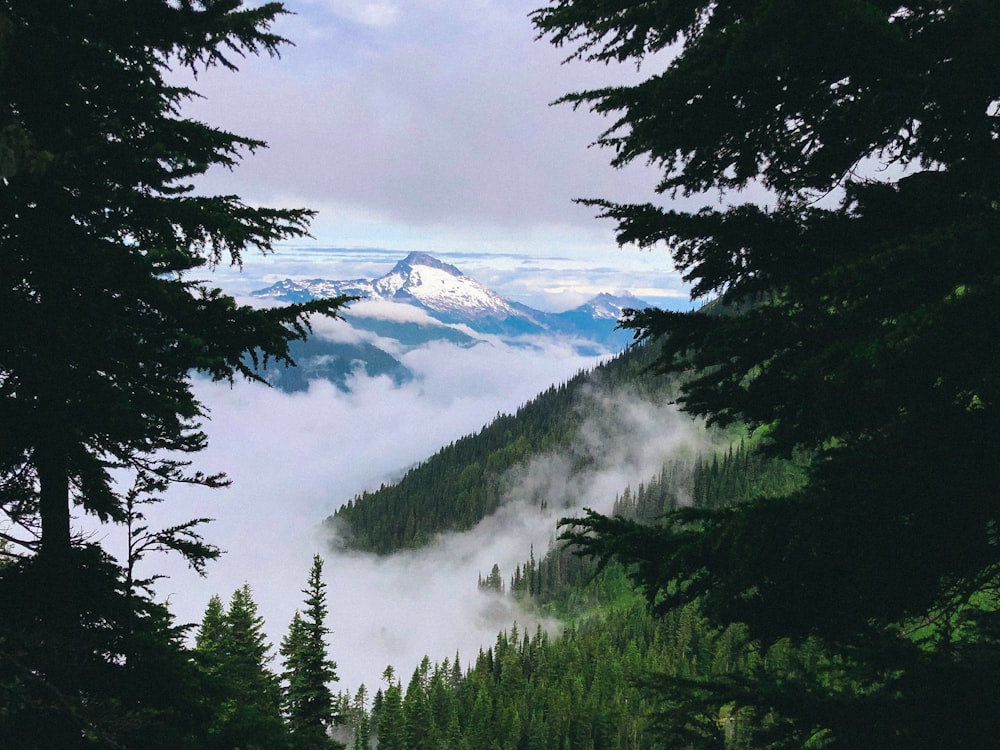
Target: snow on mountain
{"x":419,"y":279}
{"x":445,"y":306}
{"x":451,"y":298}
{"x":609,"y":306}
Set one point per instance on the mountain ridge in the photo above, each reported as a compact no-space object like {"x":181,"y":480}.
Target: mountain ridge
{"x":454,"y":308}
{"x":453,"y":298}
{"x":468,"y":479}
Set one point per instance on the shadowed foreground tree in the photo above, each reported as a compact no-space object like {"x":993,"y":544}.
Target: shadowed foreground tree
{"x":103,"y":247}
{"x":859,"y":303}
{"x":101,"y":237}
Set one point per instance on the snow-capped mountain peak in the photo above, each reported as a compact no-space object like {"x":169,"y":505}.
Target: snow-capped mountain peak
{"x":419,"y":279}
{"x":423,"y":259}
{"x":454,"y":308}
{"x":452,"y":298}
{"x":442,"y":288}
{"x":610,"y":306}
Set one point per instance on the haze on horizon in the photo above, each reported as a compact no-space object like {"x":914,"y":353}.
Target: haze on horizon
{"x":428,"y":125}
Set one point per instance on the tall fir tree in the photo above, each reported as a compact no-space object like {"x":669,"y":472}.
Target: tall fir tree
{"x":420,"y":729}
{"x":390,"y":732}
{"x":103,"y":243}
{"x":308,"y":671}
{"x":362,"y":720}
{"x":101,"y":234}
{"x":233,"y":648}
{"x":211,"y":633}
{"x":853,"y":300}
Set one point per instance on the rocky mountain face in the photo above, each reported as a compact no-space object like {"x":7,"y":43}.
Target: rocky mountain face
{"x":453,"y":307}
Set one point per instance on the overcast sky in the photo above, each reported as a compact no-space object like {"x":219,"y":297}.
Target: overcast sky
{"x":427,"y":125}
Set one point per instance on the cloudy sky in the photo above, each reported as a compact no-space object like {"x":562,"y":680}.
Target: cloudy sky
{"x":427,"y":125}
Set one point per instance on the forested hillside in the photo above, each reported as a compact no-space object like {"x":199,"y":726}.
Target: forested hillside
{"x":590,"y":684}
{"x":467,"y":480}
{"x":843,"y":164}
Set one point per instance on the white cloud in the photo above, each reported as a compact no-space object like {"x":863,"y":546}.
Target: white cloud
{"x":295,"y":458}
{"x":394,"y":312}
{"x":339,"y":331}
{"x":431,"y":117}
{"x":511,"y":376}
{"x":363,"y":12}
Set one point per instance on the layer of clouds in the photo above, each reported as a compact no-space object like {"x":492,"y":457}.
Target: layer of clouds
{"x":425,"y":121}
{"x":392,"y":311}
{"x":550,"y":282}
{"x":295,"y":458}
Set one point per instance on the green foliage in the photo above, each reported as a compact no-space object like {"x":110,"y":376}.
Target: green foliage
{"x":109,"y":672}
{"x":581,"y":689}
{"x":466,"y":481}
{"x":99,"y":244}
{"x":493,"y":581}
{"x":391,"y":727}
{"x":421,"y":729}
{"x":853,"y":313}
{"x":183,"y":538}
{"x":620,"y":675}
{"x":306,"y":698}
{"x":232,"y":649}
{"x":360,"y":720}
{"x":102,"y":242}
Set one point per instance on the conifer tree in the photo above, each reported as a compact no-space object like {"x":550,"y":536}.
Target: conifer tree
{"x":307,"y":699}
{"x":362,"y":721}
{"x":420,"y":730}
{"x":101,"y":234}
{"x":391,"y":731}
{"x":211,"y":633}
{"x":233,"y":648}
{"x":853,"y":261}
{"x":103,"y":248}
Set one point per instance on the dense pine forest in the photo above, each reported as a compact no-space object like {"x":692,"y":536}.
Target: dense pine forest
{"x":594,"y":682}
{"x":468,"y":480}
{"x":591,"y":682}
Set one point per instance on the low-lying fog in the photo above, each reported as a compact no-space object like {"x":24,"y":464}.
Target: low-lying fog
{"x":294,"y":459}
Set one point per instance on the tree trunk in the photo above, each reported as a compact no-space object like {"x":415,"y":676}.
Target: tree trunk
{"x":56,"y":601}
{"x":52,"y":464}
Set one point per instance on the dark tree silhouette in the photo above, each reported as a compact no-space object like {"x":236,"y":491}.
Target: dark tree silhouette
{"x":309,"y":671}
{"x":104,"y":247}
{"x":852,"y":310}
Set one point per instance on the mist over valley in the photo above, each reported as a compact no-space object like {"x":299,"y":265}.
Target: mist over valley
{"x":375,"y":395}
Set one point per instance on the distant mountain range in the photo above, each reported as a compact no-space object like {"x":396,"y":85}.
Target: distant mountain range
{"x":453,"y":307}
